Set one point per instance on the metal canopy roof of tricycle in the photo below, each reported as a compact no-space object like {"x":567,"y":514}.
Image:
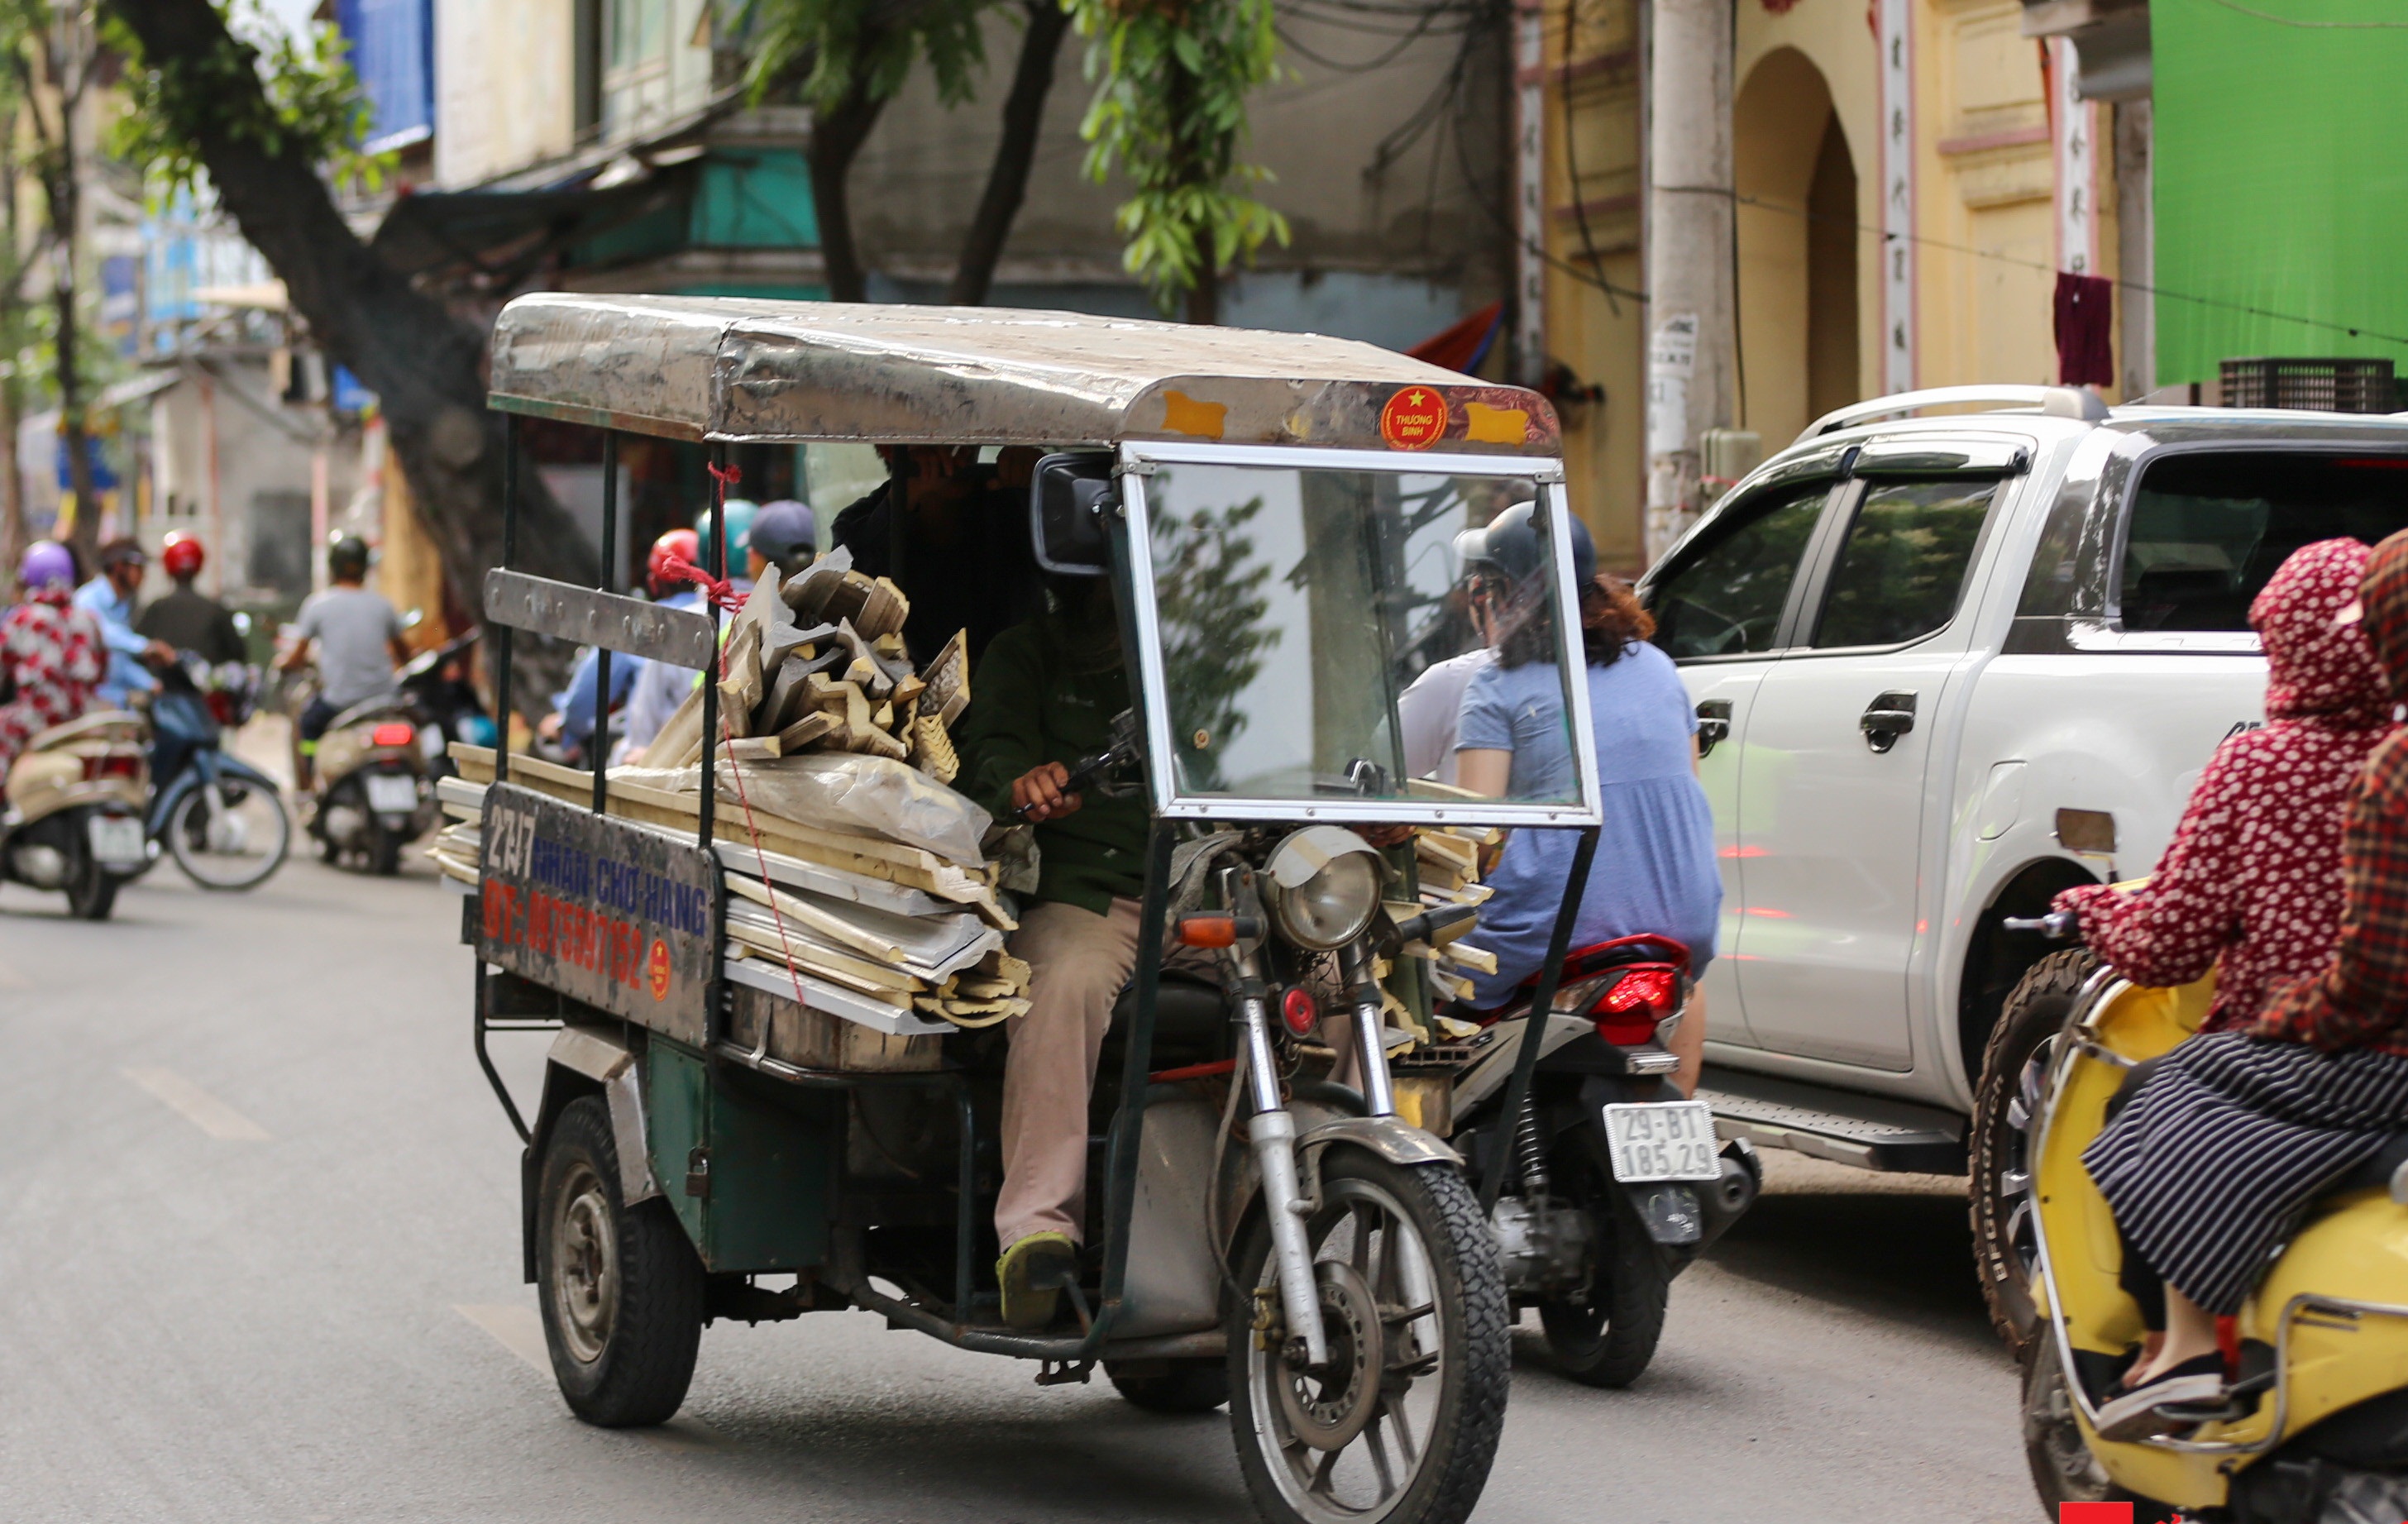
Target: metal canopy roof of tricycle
{"x":741,"y":370}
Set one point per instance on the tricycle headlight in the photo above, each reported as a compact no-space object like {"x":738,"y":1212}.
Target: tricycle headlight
{"x":1328,"y":886}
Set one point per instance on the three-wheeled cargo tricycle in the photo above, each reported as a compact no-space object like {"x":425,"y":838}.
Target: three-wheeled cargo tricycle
{"x":718,"y":1137}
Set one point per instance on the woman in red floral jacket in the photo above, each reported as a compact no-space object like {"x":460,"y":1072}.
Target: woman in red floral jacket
{"x":2238,"y":1131}
{"x":49,"y":650}
{"x":2251,"y":885}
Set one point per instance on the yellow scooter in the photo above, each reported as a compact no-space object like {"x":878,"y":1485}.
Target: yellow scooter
{"x":2314,"y":1430}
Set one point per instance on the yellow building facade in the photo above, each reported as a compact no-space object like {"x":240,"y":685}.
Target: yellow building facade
{"x":1905,"y":197}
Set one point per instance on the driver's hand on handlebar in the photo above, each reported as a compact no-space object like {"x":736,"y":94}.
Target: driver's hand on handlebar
{"x":1039,"y":795}
{"x":160,"y":655}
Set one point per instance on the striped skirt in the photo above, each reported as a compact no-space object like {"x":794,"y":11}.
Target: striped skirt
{"x":2213,"y":1163}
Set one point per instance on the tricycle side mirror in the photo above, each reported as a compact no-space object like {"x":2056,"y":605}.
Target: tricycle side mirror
{"x":1069,"y":497}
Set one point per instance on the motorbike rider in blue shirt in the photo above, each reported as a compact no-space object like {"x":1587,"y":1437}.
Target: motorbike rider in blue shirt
{"x":109,"y":598}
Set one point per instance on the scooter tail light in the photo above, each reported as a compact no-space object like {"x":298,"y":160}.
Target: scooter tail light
{"x":1297,"y":1009}
{"x":393,"y":734}
{"x":111,"y":765}
{"x":1636,"y":1004}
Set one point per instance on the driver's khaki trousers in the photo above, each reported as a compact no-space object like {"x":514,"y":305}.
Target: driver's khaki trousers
{"x":1077,"y":962}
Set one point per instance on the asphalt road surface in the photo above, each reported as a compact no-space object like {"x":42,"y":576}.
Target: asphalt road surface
{"x":259,"y":1261}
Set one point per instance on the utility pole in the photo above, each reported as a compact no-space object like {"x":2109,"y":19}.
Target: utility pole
{"x":1691,"y":222}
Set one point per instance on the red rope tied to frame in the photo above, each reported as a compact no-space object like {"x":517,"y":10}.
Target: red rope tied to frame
{"x":719,"y":590}
{"x":723,"y":593}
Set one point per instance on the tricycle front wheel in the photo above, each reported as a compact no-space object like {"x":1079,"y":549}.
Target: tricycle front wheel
{"x":621,"y":1286}
{"x":1400,"y":1425}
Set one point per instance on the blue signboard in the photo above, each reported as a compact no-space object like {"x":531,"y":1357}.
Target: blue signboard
{"x":393,"y":51}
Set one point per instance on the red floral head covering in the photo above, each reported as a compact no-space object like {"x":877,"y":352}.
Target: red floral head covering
{"x":2384,"y":593}
{"x":2315,"y":666}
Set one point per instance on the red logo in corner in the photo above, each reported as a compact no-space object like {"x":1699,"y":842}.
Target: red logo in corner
{"x":658,"y":974}
{"x":1414,"y":418}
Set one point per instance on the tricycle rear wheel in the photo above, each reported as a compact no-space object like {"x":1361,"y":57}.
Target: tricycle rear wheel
{"x":621,"y":1287}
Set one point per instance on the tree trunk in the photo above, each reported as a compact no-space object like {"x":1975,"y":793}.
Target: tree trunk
{"x":1007,"y":181}
{"x":12,"y":307}
{"x":837,"y":136}
{"x":63,"y":190}
{"x":73,"y":438}
{"x":426,"y":366}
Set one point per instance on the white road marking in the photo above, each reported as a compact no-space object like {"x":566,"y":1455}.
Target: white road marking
{"x":198,"y":1107}
{"x":516,"y":1328}
{"x":520,"y":1331}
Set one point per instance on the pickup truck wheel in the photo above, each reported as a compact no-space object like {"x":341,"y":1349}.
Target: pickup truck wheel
{"x":2020,"y":1048}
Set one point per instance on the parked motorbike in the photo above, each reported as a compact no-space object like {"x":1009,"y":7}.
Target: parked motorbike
{"x":73,"y":820}
{"x":2314,"y":1426}
{"x":221,"y":819}
{"x":1623,"y":1183}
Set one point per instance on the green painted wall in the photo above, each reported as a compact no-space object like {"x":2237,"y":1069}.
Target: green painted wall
{"x":736,"y":200}
{"x":754,"y":201}
{"x":2282,"y":190}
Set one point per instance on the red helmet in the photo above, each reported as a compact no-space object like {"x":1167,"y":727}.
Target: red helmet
{"x":677,"y":545}
{"x":182,"y":555}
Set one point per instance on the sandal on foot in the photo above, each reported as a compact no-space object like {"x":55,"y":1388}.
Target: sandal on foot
{"x":1032,"y":1273}
{"x":2136,"y":1414}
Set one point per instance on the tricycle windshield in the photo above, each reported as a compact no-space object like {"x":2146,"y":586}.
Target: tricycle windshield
{"x":1294,"y":607}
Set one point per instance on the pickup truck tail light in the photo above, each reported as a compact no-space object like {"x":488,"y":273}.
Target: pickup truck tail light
{"x":1626,"y":1003}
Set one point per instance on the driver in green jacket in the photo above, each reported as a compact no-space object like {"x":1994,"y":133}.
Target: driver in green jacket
{"x":1044,"y":697}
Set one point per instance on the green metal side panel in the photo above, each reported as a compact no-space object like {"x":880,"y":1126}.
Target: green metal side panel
{"x":771,"y":1174}
{"x":676,"y":1116}
{"x":2280,"y":192}
{"x":772,"y":1183}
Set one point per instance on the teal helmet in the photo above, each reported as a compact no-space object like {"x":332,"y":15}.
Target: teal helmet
{"x":738,"y":533}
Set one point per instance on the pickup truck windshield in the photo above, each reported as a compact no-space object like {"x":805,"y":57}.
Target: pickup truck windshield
{"x":2208,"y":529}
{"x":1296,"y":606}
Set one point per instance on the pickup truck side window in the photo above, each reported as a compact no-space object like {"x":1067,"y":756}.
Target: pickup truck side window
{"x":1902,"y":565}
{"x":1726,"y":597}
{"x":2208,"y":528}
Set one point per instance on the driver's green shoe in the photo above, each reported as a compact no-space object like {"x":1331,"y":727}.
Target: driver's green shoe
{"x":1032,"y":1273}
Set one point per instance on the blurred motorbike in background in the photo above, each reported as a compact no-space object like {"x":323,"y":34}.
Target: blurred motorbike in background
{"x":221,"y":818}
{"x":377,"y":761}
{"x":73,"y":820}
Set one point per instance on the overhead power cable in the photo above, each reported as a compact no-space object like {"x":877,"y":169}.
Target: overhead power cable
{"x":2308,"y":25}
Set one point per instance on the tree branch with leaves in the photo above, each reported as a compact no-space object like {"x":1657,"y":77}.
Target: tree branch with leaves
{"x":1172,"y":78}
{"x":263,"y":122}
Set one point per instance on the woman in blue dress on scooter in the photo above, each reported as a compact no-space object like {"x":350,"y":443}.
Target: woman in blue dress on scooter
{"x":1655,"y":870}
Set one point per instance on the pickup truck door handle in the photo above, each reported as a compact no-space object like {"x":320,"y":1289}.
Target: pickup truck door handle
{"x":1713,"y":725}
{"x":1886,"y":718}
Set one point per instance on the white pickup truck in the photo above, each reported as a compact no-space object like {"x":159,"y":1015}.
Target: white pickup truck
{"x":1948,"y":665}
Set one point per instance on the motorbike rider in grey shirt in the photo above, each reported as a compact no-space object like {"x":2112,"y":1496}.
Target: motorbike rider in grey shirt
{"x":358,"y":639}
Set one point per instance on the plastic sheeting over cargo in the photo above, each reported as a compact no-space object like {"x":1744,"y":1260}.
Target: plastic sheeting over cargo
{"x":741,"y":371}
